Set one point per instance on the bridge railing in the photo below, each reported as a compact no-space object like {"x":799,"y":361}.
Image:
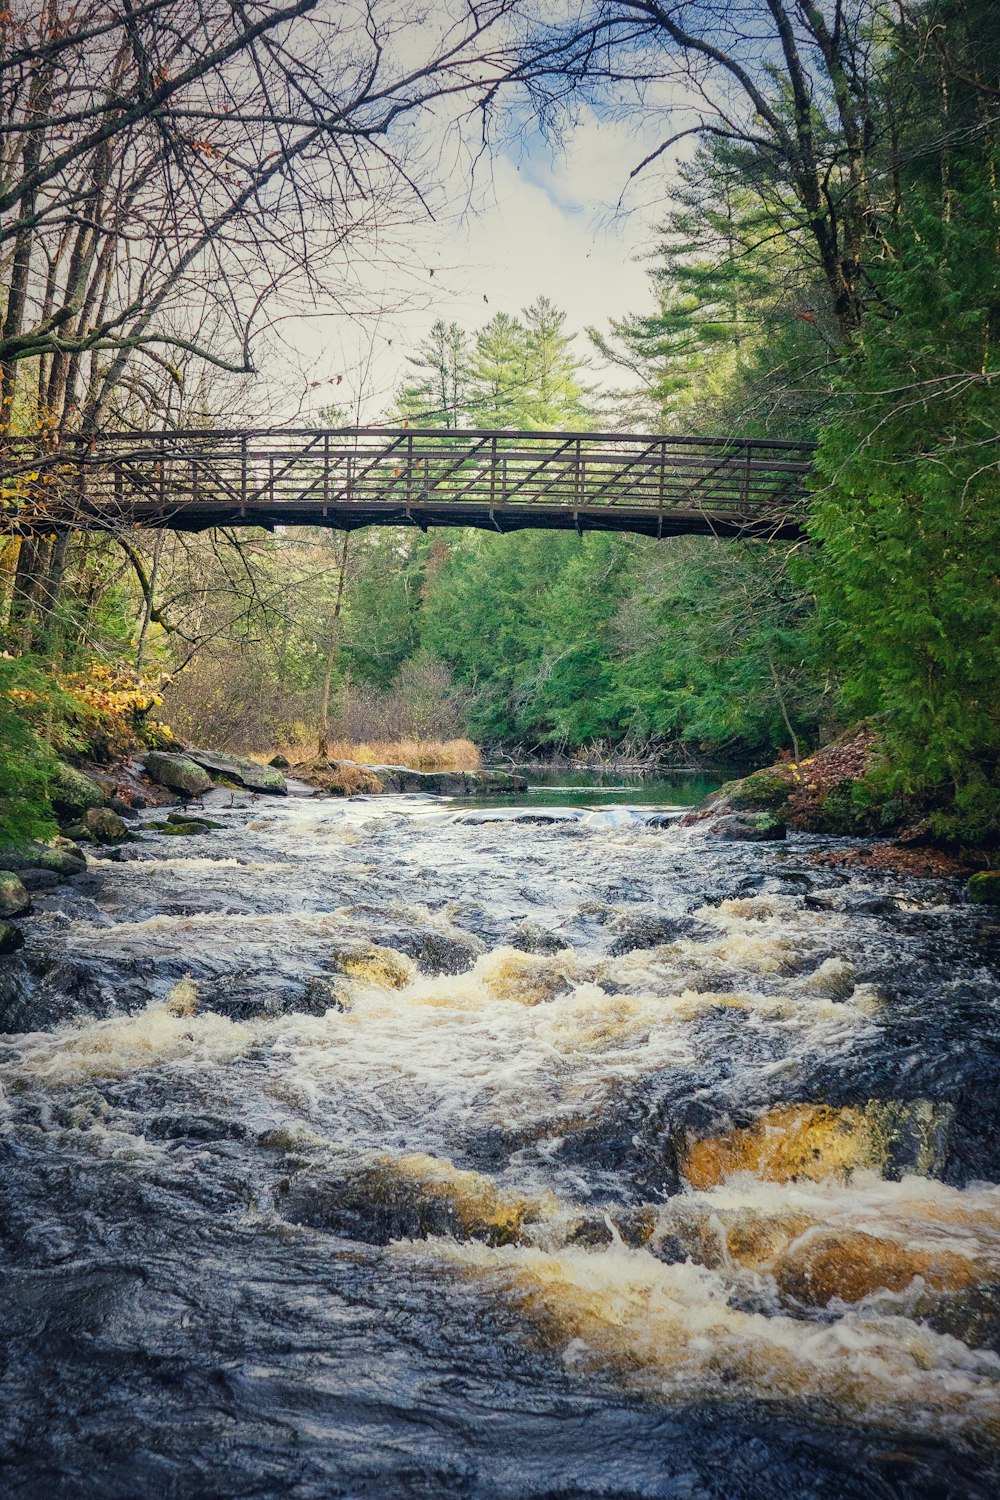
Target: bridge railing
{"x":294,"y":473}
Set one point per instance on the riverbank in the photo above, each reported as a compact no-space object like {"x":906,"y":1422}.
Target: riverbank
{"x":836,"y":791}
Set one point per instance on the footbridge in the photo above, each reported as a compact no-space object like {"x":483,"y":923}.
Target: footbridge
{"x":396,"y":476}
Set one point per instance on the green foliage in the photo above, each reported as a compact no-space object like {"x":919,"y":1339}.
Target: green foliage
{"x":909,"y":516}
{"x":27,"y":763}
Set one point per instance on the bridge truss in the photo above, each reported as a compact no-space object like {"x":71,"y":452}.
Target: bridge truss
{"x":367,"y":476}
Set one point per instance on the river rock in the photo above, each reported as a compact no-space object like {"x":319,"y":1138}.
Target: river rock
{"x":242,"y":770}
{"x":14,"y":899}
{"x":177,"y":772}
{"x":280,"y":763}
{"x":11,"y":938}
{"x":105,"y":826}
{"x":73,"y":794}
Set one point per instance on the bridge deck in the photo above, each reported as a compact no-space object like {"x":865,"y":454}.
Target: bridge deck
{"x":351,"y":477}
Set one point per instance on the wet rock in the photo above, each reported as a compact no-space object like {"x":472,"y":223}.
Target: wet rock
{"x":984,"y":888}
{"x":65,"y":859}
{"x":11,"y":938}
{"x":104,"y":825}
{"x":178,"y":825}
{"x":530,"y":937}
{"x":14,"y":899}
{"x":383,"y":967}
{"x":176,"y":772}
{"x":124,"y":809}
{"x":972,"y":1315}
{"x":239,"y":768}
{"x":747,"y":828}
{"x":39,"y":880}
{"x":73,"y":794}
{"x":438,"y":783}
{"x":62,"y":859}
{"x":849,"y":1264}
{"x":191,"y":821}
{"x":436,"y":952}
{"x":318,"y":996}
{"x":379,"y":1198}
{"x":37,"y":993}
{"x":643,"y":931}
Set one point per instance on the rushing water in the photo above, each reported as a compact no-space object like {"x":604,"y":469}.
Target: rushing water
{"x":393,"y":1148}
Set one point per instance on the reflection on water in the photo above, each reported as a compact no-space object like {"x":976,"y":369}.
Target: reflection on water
{"x":596,"y":788}
{"x":401,"y":1147}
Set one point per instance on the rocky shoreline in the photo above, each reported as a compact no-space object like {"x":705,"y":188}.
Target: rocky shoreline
{"x":829,"y":793}
{"x":94,"y":805}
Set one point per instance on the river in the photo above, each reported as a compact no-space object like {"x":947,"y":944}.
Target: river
{"x":398,"y":1147}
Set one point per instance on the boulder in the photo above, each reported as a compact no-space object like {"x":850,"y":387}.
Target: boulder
{"x":280,"y":762}
{"x":242,"y":770}
{"x":38,"y":880}
{"x":984,"y":888}
{"x":177,"y":772}
{"x":105,"y":826}
{"x":63,"y":859}
{"x":11,"y":938}
{"x":72,"y":794}
{"x":14,"y":899}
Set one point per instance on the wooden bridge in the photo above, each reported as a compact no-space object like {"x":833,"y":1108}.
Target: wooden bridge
{"x":368,"y":476}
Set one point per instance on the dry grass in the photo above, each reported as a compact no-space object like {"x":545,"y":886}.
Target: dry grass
{"x":419,"y":755}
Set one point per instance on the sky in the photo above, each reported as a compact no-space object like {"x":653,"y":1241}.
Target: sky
{"x":537,"y":220}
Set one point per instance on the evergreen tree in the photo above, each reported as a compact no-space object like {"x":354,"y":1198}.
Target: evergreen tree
{"x":439,"y":395}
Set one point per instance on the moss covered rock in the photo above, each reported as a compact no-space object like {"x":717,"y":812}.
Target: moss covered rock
{"x":14,"y":899}
{"x":984,"y":888}
{"x":241,"y":770}
{"x":73,"y":794}
{"x":762,"y":791}
{"x":177,"y":773}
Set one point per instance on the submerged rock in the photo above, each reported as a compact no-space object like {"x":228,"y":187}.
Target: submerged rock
{"x":14,"y":899}
{"x":242,"y":770}
{"x":177,"y":772}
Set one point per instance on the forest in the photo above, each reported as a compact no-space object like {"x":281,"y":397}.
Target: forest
{"x":826,"y":267}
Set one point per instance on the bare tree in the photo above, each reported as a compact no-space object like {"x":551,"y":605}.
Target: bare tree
{"x":793,"y":86}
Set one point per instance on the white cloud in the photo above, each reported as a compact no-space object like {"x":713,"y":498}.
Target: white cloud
{"x":542,"y":222}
